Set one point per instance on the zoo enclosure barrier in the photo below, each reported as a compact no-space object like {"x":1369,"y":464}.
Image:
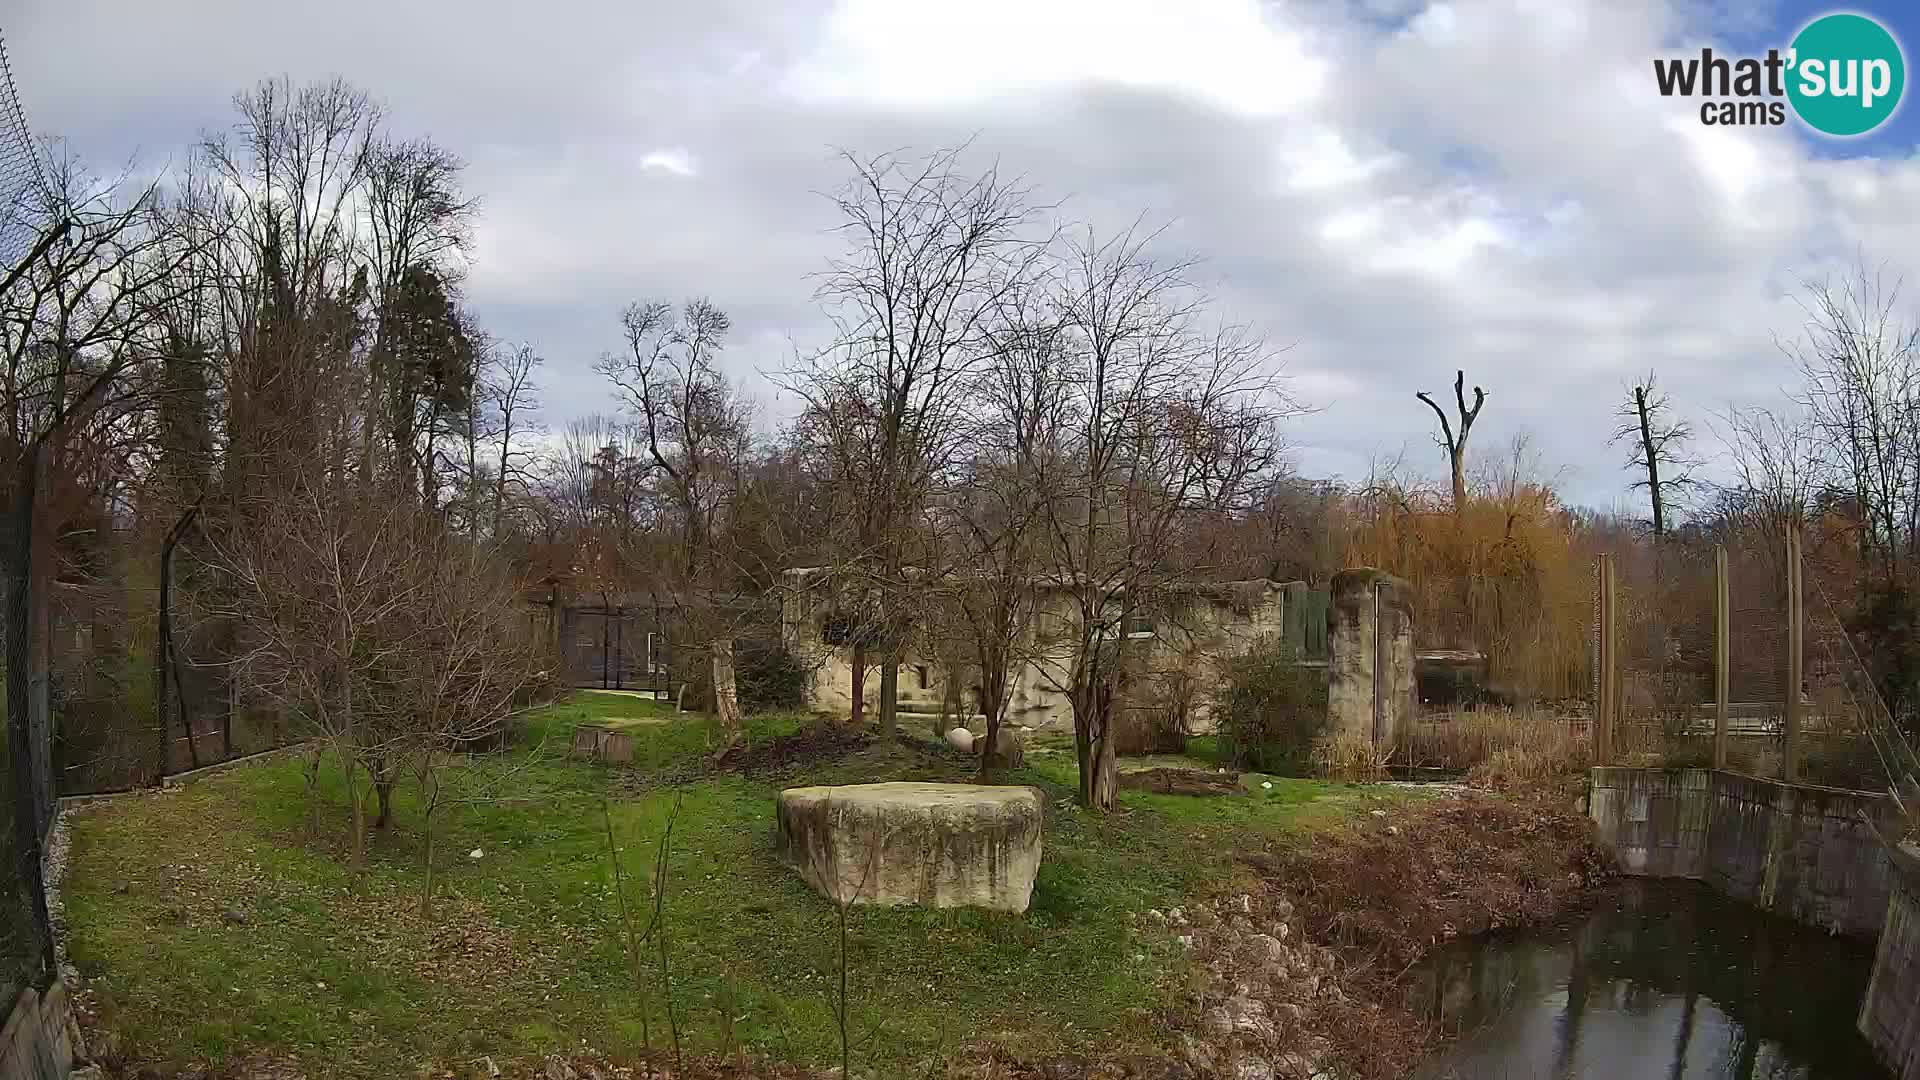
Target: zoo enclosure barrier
{"x":1736,"y":657}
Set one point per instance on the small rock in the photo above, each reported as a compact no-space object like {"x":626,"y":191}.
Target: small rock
{"x":1284,"y":908}
{"x":234,"y":917}
{"x":1266,"y":785}
{"x":475,"y":853}
{"x":1185,"y":940}
{"x":1154,"y":914}
{"x":961,"y":739}
{"x":1379,"y":813}
{"x":1393,"y":830}
{"x":1243,"y":904}
{"x":1176,"y":916}
{"x":1239,"y":1015}
{"x":1252,"y":1069}
{"x":1265,"y":950}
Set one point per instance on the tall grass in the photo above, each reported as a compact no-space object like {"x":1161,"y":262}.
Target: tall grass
{"x":1519,"y":744}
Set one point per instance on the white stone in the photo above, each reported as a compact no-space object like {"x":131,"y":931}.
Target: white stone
{"x":937,"y":845}
{"x":961,"y":739}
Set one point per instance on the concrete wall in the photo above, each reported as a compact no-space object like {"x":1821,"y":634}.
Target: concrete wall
{"x":1187,"y":641}
{"x":1794,"y":849}
{"x":1370,"y":685}
{"x":1890,"y":1012}
{"x":39,"y":1038}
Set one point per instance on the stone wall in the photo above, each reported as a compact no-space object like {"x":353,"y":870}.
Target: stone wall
{"x":1890,"y":1013}
{"x":39,"y":1038}
{"x":1370,"y":686}
{"x":1175,"y":651}
{"x":1794,"y":849}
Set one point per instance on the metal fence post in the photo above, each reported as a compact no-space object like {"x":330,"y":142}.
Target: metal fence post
{"x":1790,"y":765}
{"x":1722,"y":654}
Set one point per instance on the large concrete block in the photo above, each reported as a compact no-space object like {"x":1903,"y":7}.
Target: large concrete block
{"x":939,"y":845}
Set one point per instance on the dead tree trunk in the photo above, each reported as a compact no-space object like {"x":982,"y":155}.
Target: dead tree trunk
{"x":1456,"y":444}
{"x":1652,"y":454}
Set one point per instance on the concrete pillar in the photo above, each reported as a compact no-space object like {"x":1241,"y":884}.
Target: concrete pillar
{"x":1370,"y":689}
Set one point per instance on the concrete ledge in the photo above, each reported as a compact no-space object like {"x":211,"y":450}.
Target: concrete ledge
{"x":1799,"y":850}
{"x":1890,"y":1011}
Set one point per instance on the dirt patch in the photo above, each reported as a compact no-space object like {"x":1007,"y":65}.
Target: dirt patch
{"x":1182,"y":782}
{"x":821,"y":743}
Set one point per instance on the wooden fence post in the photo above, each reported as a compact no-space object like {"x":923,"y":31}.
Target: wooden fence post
{"x":1796,"y":619}
{"x":1722,"y":654}
{"x":1607,"y":682}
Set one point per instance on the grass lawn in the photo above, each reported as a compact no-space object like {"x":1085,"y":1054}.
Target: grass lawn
{"x":211,"y":923}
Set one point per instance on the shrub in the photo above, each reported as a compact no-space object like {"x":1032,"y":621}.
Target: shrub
{"x":770,"y":676}
{"x":1269,"y":710}
{"x":767,"y":676}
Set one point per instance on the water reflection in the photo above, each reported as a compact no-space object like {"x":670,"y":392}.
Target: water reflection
{"x":1663,"y":979}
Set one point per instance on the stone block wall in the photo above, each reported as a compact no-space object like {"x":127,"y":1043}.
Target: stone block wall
{"x":39,"y":1037}
{"x":1370,"y":687}
{"x":1890,"y":1012}
{"x":1796,"y":850}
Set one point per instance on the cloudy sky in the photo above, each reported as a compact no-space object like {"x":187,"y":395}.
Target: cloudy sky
{"x":1392,"y":188}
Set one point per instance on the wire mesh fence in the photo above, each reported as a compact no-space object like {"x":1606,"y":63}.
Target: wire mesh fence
{"x":1735,"y":657}
{"x":26,"y":939}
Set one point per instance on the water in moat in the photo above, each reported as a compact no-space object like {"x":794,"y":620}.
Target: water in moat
{"x":1660,"y":979}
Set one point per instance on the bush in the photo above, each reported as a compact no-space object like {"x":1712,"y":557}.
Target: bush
{"x":770,"y":676}
{"x":1269,"y":710}
{"x":767,"y":676}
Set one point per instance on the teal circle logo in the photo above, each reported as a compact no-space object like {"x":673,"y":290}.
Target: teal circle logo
{"x":1846,"y":74}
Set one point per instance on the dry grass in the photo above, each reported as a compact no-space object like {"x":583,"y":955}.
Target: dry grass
{"x":1465,"y":740}
{"x":1344,"y":756}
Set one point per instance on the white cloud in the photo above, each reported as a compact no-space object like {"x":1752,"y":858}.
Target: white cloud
{"x":675,"y":160}
{"x":1399,"y":189}
{"x":927,"y":52}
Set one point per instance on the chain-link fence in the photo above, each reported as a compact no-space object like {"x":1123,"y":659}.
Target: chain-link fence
{"x":1735,"y":656}
{"x":26,"y":939}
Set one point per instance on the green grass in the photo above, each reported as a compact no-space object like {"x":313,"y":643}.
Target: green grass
{"x":211,"y":923}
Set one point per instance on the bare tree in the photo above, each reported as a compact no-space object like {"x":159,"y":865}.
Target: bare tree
{"x":1159,"y":421}
{"x":372,"y":624}
{"x":510,"y":391}
{"x":697,"y":433}
{"x":1660,"y":448}
{"x":1861,"y":363}
{"x":931,"y":251}
{"x":1775,"y":455}
{"x":1455,"y":444}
